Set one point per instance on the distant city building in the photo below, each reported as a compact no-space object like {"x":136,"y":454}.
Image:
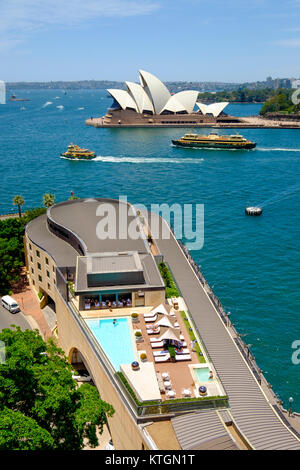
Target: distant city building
{"x":296,"y":84}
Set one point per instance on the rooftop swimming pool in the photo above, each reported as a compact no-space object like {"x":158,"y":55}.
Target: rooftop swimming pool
{"x":114,"y":336}
{"x":202,"y":374}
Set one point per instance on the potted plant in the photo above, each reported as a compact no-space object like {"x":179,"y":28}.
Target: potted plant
{"x":143,"y":357}
{"x":135,"y":317}
{"x":138,"y":336}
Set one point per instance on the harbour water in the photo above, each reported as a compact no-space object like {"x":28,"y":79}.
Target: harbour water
{"x":252,"y":263}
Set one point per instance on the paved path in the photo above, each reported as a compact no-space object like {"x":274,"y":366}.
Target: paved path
{"x":29,"y":305}
{"x":249,"y":406}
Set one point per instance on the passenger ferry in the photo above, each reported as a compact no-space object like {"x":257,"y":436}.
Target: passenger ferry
{"x":213,"y":140}
{"x":74,"y":152}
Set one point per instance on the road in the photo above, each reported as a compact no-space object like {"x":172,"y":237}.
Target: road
{"x":7,"y":319}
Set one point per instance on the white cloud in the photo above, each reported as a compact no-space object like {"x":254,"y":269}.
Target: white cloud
{"x":295,"y":42}
{"x":19,"y":19}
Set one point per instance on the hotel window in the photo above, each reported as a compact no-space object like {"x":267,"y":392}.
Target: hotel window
{"x":49,"y":287}
{"x":33,"y":282}
{"x":32,"y":270}
{"x":38,"y":254}
{"x":48,"y":274}
{"x":39,"y":266}
{"x":40,"y":278}
{"x":30,"y":247}
{"x":47,"y":261}
{"x":31,"y":259}
{"x":53,"y":269}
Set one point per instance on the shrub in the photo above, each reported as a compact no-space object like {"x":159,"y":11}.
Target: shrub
{"x":143,"y":356}
{"x":172,"y":351}
{"x":171,"y":288}
{"x":138,"y":334}
{"x":134,"y":315}
{"x":40,"y":295}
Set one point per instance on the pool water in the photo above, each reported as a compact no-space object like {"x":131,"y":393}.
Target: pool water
{"x":202,"y":374}
{"x":115,"y":339}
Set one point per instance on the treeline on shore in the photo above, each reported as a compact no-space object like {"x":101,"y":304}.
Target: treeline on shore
{"x":281,"y":103}
{"x":242,"y":95}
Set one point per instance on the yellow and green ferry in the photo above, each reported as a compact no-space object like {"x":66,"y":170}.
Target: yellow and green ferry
{"x":214,"y":140}
{"x":74,"y":152}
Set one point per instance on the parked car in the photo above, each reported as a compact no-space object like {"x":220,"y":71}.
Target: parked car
{"x":10,"y":304}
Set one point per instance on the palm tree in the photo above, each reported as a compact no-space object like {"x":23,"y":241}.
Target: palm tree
{"x":48,"y":200}
{"x":18,"y":201}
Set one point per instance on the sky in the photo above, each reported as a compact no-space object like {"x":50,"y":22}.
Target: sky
{"x":189,"y":40}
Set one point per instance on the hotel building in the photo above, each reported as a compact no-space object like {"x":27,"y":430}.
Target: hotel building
{"x":172,"y":371}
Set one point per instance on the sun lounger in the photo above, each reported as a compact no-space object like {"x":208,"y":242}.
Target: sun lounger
{"x":183,"y":357}
{"x":165,"y":376}
{"x":158,"y":344}
{"x":154,"y":340}
{"x":171,"y":394}
{"x":149,"y":315}
{"x":184,"y":351}
{"x":186,"y":392}
{"x":160,"y":353}
{"x":150,"y":319}
{"x":152,"y":332}
{"x":164,"y":358}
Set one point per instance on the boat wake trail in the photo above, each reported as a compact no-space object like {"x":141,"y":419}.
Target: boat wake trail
{"x":277,"y":149}
{"x":137,"y":160}
{"x":47,"y":104}
{"x":281,"y":196}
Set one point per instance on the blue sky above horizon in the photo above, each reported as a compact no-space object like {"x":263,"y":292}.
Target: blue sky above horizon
{"x":196,"y":40}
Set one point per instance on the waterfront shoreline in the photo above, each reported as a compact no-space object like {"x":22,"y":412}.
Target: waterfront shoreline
{"x":250,"y":122}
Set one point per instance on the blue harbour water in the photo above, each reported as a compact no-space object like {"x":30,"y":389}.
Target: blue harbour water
{"x":251,"y":263}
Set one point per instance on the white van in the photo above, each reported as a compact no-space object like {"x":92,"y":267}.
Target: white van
{"x":10,"y":304}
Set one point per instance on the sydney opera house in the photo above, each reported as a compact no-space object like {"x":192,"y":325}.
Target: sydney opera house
{"x":150,"y":104}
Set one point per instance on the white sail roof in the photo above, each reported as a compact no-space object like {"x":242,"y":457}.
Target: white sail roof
{"x":141,"y":98}
{"x":173,"y":105}
{"x":123,"y":98}
{"x":156,"y":90}
{"x":215,"y":108}
{"x":182,"y":101}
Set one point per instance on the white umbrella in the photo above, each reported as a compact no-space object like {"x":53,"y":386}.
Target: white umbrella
{"x":160,"y":309}
{"x":170,"y":334}
{"x":164,"y":321}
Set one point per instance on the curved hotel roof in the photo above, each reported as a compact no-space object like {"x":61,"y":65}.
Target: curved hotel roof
{"x":152,"y":96}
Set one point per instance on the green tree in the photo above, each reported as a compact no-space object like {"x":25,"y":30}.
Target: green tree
{"x":12,"y":247}
{"x":18,"y":201}
{"x":48,"y":200}
{"x":17,"y":432}
{"x":36,"y":380}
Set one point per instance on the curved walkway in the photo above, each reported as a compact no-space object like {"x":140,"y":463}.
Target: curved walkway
{"x":250,"y":408}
